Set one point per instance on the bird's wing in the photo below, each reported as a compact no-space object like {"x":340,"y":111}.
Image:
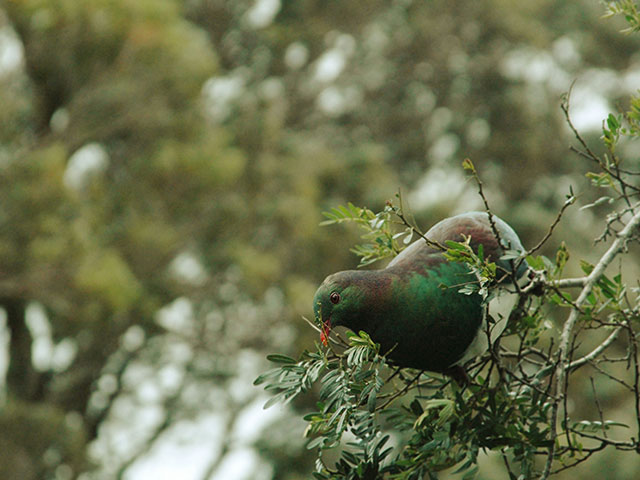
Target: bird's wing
{"x":473,"y":224}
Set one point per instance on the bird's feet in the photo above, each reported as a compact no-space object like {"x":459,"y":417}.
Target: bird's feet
{"x":459,"y":374}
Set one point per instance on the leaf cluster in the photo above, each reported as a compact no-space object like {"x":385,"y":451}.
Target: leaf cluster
{"x":392,"y":423}
{"x":381,"y":236}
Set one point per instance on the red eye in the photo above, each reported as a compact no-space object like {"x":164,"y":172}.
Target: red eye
{"x":334,"y":297}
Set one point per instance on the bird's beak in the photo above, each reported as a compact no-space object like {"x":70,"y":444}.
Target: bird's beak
{"x":325,"y":330}
{"x":325,"y":324}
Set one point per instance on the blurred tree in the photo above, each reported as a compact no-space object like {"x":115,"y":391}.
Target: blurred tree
{"x":164,"y":166}
{"x":110,"y":177}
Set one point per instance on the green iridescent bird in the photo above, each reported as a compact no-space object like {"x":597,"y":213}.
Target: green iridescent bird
{"x":414,"y":309}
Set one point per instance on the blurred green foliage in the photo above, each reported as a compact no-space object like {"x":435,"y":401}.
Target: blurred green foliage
{"x":161,"y":156}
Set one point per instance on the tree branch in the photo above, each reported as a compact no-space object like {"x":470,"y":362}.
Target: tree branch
{"x":595,"y":352}
{"x":565,"y":338}
{"x":568,"y":282}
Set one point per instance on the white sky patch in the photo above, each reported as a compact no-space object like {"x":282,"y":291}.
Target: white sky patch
{"x":86,"y":162}
{"x":45,"y":354}
{"x":220,"y":93}
{"x":565,"y":52}
{"x":170,"y":377}
{"x":188,"y":448}
{"x":241,"y":387}
{"x":631,"y":79}
{"x":243,"y":464}
{"x":126,"y":435}
{"x":177,"y":316}
{"x":11,"y":51}
{"x":443,"y":186}
{"x":108,"y":383}
{"x":262,"y":13}
{"x":37,"y":321}
{"x":329,"y":65}
{"x":183,"y":453}
{"x":187,"y":268}
{"x":331,"y":101}
{"x":133,"y":338}
{"x":535,"y":66}
{"x":444,"y":148}
{"x":588,"y":102}
{"x":64,"y":353}
{"x":271,"y":88}
{"x":296,"y":56}
{"x":478,"y":132}
{"x":440,"y":121}
{"x":588,"y":108}
{"x":254,"y":419}
{"x":334,"y":101}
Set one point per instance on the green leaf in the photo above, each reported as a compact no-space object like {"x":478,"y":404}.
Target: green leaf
{"x":586,"y":267}
{"x":273,"y":400}
{"x":279,"y":358}
{"x":315,"y":443}
{"x":537,"y":263}
{"x":371,"y":401}
{"x":471,"y":473}
{"x":467,"y":164}
{"x":562,"y":257}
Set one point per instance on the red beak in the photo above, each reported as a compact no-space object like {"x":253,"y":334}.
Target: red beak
{"x":324,"y":334}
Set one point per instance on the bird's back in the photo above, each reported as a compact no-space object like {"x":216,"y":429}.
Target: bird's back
{"x":472,"y":224}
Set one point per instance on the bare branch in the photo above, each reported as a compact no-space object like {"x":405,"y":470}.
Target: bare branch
{"x":569,"y":282}
{"x":468,"y":165}
{"x":565,"y":338}
{"x":595,"y":352}
{"x":570,"y":201}
{"x":414,"y":229}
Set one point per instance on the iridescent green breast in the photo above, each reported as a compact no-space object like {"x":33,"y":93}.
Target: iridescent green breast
{"x":428,"y":324}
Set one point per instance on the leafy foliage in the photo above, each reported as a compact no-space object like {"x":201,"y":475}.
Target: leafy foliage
{"x":629,"y":10}
{"x":400,"y":424}
{"x":435,"y":424}
{"x":382,"y":239}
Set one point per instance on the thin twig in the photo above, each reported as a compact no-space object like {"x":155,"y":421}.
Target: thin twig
{"x":620,"y":444}
{"x":580,"y":460}
{"x":570,"y":201}
{"x":600,"y":414}
{"x":400,"y":392}
{"x":492,"y":222}
{"x":590,"y":155}
{"x":506,"y":464}
{"x":399,"y":211}
{"x":313,"y":325}
{"x":595,"y":352}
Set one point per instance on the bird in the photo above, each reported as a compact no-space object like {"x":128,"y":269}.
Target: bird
{"x":414,"y":308}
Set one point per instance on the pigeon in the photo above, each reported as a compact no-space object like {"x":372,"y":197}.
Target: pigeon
{"x":414,"y":307}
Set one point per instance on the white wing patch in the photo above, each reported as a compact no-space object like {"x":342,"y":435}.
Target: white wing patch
{"x":499,"y":308}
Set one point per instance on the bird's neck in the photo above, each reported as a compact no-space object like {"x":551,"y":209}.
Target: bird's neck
{"x":371,"y":294}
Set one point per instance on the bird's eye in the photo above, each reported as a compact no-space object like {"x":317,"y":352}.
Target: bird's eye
{"x":334,"y":297}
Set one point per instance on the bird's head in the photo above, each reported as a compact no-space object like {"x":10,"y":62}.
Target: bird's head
{"x":337,"y":302}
